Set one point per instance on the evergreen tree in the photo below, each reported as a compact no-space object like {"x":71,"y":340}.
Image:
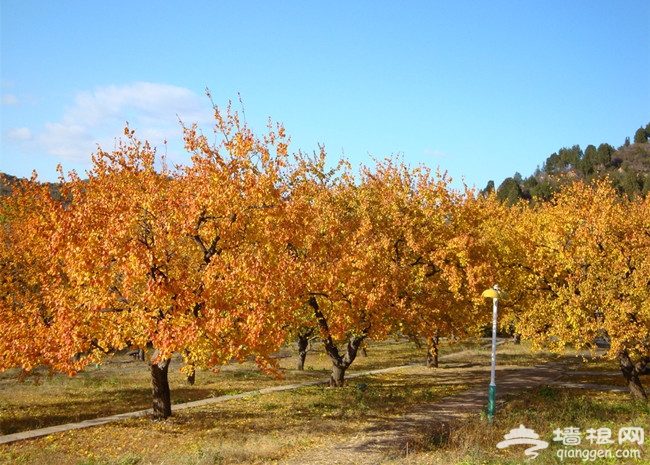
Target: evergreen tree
{"x":631,"y":185}
{"x":489,"y":188}
{"x":640,"y":136}
{"x":509,"y":191}
{"x":552,"y":164}
{"x":604,"y":154}
{"x":586,"y":165}
{"x":570,"y":157}
{"x":646,"y":185}
{"x":530,"y":186}
{"x":543,"y":191}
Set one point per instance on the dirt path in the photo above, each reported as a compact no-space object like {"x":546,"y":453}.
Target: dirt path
{"x":379,"y":438}
{"x":389,"y":437}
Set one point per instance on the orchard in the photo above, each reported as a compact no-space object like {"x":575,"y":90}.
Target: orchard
{"x":250,"y":246}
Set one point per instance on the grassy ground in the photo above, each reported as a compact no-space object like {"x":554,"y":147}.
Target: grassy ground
{"x":266,"y":428}
{"x":123,"y":385}
{"x":543,"y":410}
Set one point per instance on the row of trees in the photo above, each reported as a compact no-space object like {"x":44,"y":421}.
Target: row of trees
{"x":248,"y":247}
{"x":627,"y":168}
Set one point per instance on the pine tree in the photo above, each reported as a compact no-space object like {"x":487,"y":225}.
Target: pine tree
{"x":640,"y":136}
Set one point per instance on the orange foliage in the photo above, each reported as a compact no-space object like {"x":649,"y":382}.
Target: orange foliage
{"x":223,"y":258}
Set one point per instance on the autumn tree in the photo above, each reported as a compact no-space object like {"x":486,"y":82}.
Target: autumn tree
{"x":585,"y":267}
{"x":327,"y":238}
{"x":456,"y":262}
{"x":186,"y":260}
{"x":37,"y":305}
{"x":352,"y":249}
{"x":427,"y":251}
{"x":238,"y":191}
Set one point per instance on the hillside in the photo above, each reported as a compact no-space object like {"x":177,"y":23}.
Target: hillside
{"x":8,"y":182}
{"x":627,"y":167}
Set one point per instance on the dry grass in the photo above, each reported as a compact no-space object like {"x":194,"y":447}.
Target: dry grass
{"x":123,"y":385}
{"x":543,"y":410}
{"x":267,"y":428}
{"x":233,"y":432}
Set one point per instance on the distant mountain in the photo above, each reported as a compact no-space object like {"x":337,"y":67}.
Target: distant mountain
{"x":627,"y":167}
{"x":9,"y":182}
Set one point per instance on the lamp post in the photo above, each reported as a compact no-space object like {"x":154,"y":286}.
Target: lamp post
{"x":495,"y":293}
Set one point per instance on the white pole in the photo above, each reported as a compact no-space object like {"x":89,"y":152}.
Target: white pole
{"x":493,"y":384}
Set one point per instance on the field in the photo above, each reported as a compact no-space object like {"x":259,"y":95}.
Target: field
{"x":279,"y":427}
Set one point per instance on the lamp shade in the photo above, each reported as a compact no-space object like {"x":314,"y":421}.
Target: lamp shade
{"x":495,"y":294}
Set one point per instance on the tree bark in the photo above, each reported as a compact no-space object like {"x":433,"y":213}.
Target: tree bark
{"x":337,"y":378}
{"x":340,"y":363}
{"x":162,"y":403}
{"x":432,"y":351}
{"x":191,"y":377}
{"x":631,"y":372}
{"x":303,"y":347}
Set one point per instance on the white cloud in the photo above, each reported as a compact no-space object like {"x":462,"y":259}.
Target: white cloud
{"x":19,"y":134}
{"x":98,"y":117}
{"x":69,"y":142}
{"x":147,"y":102}
{"x":10,"y":99}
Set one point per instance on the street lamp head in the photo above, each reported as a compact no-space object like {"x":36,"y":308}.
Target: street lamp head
{"x":495,"y":293}
{"x":491,"y":293}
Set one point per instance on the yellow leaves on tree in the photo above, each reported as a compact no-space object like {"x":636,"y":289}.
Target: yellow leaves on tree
{"x":583,"y":271}
{"x":223,"y":258}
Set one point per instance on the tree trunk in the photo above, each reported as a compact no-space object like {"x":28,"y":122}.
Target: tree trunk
{"x":415,"y":340}
{"x":191,"y":377}
{"x":432,"y":351}
{"x":631,"y":373}
{"x":303,"y":346}
{"x":340,"y":363}
{"x":162,"y":403}
{"x":337,"y":376}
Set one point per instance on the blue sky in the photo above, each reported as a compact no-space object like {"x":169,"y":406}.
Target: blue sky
{"x":481,"y":89}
